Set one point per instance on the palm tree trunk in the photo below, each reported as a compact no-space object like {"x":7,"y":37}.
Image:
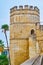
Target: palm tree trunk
{"x":7,"y":47}
{"x":6,"y":40}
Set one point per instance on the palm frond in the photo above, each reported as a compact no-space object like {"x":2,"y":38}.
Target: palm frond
{"x":5,"y":27}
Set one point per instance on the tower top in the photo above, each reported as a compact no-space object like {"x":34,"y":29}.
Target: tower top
{"x":15,"y":8}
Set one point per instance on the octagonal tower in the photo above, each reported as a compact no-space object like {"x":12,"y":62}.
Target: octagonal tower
{"x":22,"y":21}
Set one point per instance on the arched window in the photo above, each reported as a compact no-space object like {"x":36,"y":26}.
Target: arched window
{"x":32,"y":31}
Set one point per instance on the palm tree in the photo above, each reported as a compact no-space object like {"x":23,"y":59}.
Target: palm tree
{"x":5,"y":28}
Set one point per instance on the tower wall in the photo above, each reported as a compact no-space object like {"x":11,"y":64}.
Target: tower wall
{"x":39,"y":34}
{"x":22,"y":21}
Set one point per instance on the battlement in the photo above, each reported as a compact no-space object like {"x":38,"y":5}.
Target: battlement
{"x":16,"y":8}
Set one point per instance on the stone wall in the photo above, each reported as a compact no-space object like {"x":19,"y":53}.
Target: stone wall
{"x":22,"y":21}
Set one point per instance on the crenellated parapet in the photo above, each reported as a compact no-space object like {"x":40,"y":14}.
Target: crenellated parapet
{"x":25,"y":7}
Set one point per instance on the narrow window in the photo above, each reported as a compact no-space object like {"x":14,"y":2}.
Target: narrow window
{"x":32,"y":31}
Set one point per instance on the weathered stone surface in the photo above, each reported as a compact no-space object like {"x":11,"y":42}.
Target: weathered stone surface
{"x":23,"y":44}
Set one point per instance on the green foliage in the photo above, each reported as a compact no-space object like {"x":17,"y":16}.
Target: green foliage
{"x":1,"y":43}
{"x":3,"y":60}
{"x":5,"y":27}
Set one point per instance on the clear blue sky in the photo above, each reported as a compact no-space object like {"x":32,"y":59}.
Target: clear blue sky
{"x":5,"y":6}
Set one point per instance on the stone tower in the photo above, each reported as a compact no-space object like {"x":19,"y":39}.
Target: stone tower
{"x":23,"y":28}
